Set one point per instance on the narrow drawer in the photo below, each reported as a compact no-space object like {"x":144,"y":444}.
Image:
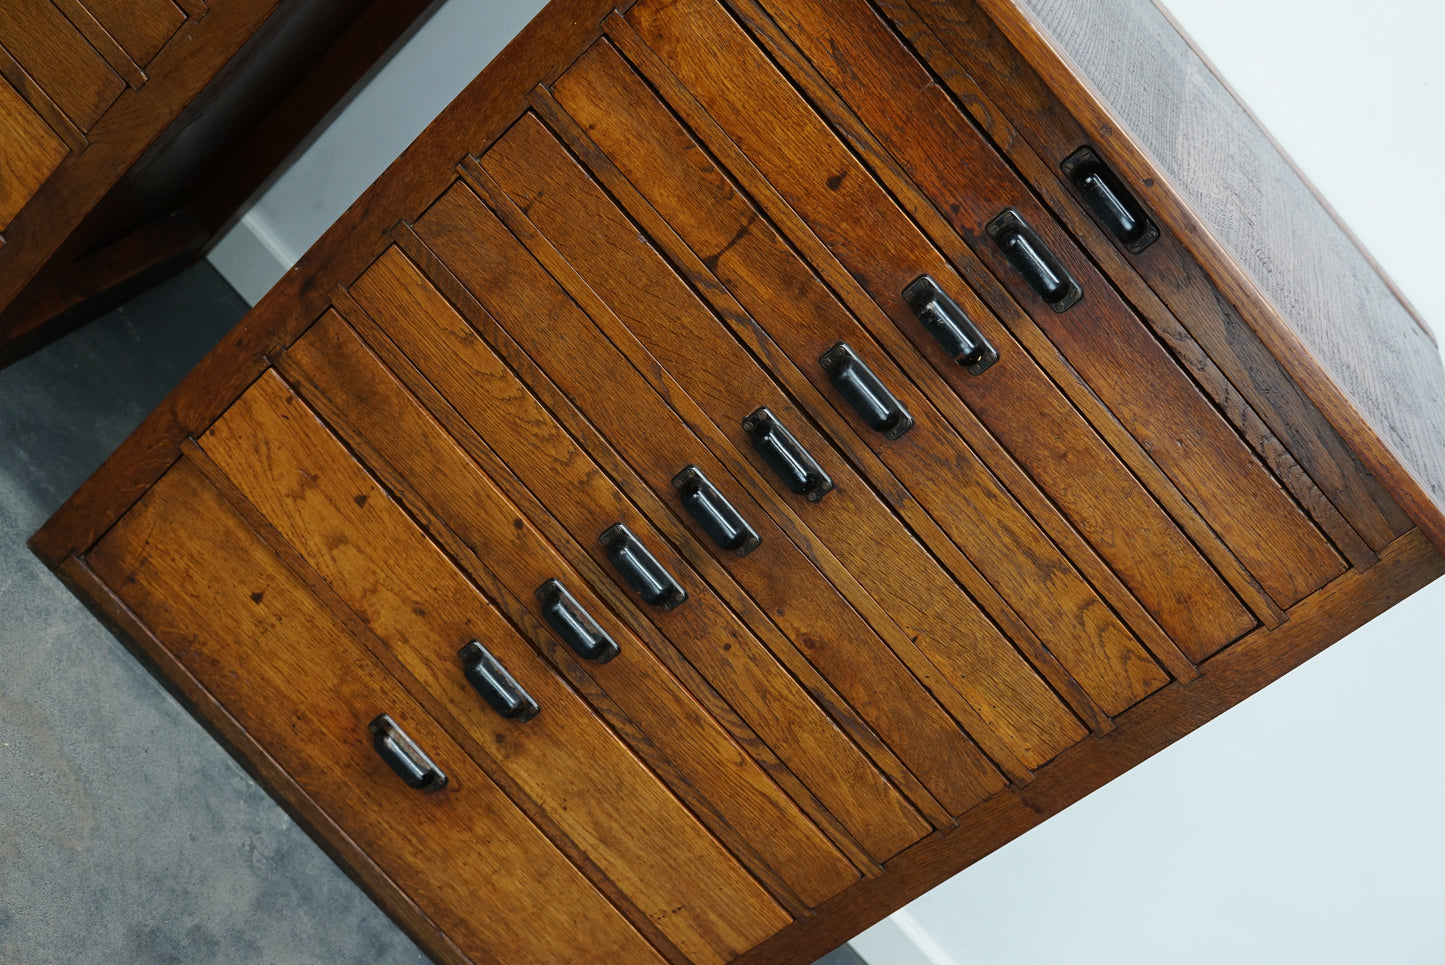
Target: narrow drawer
{"x":29,"y":153}
{"x":828,"y":188}
{"x":791,"y":322}
{"x":1021,"y":115}
{"x":292,"y":675}
{"x":729,"y":791}
{"x":53,"y":52}
{"x":290,"y":467}
{"x":483,"y":389}
{"x":141,"y":27}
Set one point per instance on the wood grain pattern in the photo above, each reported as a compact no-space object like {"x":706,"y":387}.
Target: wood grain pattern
{"x":487,"y":393}
{"x":541,"y":52}
{"x":251,"y":634}
{"x":715,"y":370}
{"x":884,"y":252}
{"x":142,"y":27}
{"x":105,"y":45}
{"x":411,"y":596}
{"x":1263,"y":238}
{"x":1024,"y":118}
{"x":52,"y":51}
{"x":728,"y":790}
{"x":737,"y":252}
{"x":29,"y":152}
{"x":1123,"y":364}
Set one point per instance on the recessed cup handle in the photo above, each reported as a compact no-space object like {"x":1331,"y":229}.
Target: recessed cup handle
{"x":865,"y":392}
{"x":786,"y":456}
{"x":403,"y":756}
{"x":498,"y":688}
{"x":640,"y":569}
{"x":570,"y":621}
{"x":950,"y":326}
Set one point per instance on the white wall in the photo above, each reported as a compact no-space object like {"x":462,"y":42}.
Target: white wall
{"x":1303,"y":826}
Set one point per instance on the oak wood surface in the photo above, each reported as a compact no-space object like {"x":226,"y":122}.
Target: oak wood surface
{"x":391,"y":431}
{"x":715,"y":370}
{"x":53,"y":51}
{"x":29,"y":152}
{"x":252,"y":634}
{"x":741,"y":254}
{"x":411,"y":596}
{"x":1256,"y":229}
{"x":143,"y":644}
{"x":878,"y":253}
{"x":141,"y":27}
{"x":1028,"y":123}
{"x":538,"y":54}
{"x":472,"y":378}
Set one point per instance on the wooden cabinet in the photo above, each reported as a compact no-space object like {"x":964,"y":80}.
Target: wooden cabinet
{"x":134,"y":131}
{"x":759,"y":457}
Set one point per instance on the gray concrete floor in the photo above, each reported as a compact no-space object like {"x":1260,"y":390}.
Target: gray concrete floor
{"x":127,"y":835}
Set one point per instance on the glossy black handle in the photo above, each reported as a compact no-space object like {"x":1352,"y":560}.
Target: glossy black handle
{"x":863,"y":390}
{"x":948,"y":323}
{"x":1112,"y":203}
{"x":571,"y":621}
{"x":490,"y":679}
{"x":640,"y":568}
{"x":710,"y":509}
{"x":1027,"y":252}
{"x":403,"y":756}
{"x":786,"y":456}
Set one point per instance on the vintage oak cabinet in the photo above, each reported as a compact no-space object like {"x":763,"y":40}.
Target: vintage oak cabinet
{"x":751,"y":458}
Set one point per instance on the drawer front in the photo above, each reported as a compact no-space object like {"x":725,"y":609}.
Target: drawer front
{"x":1021,"y":115}
{"x":423,"y":610}
{"x":141,"y":27}
{"x":782,"y":711}
{"x":457,"y":502}
{"x":1006,"y":550}
{"x":65,"y":66}
{"x":1102,"y":341}
{"x":291,"y":674}
{"x":29,"y":153}
{"x":635,"y":417}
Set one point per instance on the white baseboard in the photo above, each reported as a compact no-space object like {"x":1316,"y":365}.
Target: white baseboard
{"x":899,"y":940}
{"x":251,"y":258}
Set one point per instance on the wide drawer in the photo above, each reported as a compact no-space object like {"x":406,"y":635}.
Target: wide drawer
{"x":54,"y":53}
{"x":293,"y":676}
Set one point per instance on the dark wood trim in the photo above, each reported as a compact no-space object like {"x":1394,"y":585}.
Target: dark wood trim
{"x":104,"y":279}
{"x":262,"y":767}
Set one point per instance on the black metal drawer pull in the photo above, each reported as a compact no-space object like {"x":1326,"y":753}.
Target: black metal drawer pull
{"x":1111,"y":202}
{"x":947,"y":323}
{"x":1027,"y":252}
{"x":403,"y":756}
{"x":640,"y":568}
{"x":711,"y":510}
{"x":573,"y":624}
{"x":786,"y":456}
{"x":856,"y":383}
{"x":491,"y":680}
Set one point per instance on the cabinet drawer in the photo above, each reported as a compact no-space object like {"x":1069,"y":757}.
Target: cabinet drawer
{"x":141,"y":27}
{"x":421,"y":608}
{"x":29,"y":152}
{"x":65,"y":66}
{"x":461,"y":506}
{"x":292,"y":675}
{"x":1100,"y":340}
{"x":784,"y":712}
